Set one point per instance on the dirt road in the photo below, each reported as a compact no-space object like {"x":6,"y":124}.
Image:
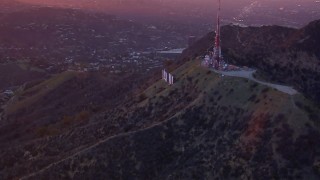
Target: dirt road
{"x":248,"y":74}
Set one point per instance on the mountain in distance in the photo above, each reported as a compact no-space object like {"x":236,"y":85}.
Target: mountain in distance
{"x":185,"y":11}
{"x":7,"y":6}
{"x":286,"y":13}
{"x":203,"y":127}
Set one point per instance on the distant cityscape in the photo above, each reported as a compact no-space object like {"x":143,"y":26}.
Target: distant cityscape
{"x":284,"y":13}
{"x":108,"y":45}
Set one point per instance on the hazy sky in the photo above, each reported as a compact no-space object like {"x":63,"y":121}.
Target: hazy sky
{"x":251,"y":11}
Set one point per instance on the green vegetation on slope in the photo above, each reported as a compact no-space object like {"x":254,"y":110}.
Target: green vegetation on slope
{"x":27,"y":97}
{"x":203,"y":127}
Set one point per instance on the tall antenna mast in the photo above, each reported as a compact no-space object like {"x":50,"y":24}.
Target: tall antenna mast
{"x":217,"y":49}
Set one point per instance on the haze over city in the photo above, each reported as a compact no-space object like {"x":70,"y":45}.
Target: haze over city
{"x":248,"y":12}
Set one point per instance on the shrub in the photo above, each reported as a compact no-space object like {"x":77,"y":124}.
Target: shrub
{"x":265,"y":90}
{"x":142,"y":97}
{"x":46,"y":131}
{"x":253,"y":97}
{"x":67,"y":120}
{"x":82,"y":116}
{"x":254,"y":85}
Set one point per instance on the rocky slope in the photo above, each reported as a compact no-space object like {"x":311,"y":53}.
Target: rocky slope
{"x":202,"y":127}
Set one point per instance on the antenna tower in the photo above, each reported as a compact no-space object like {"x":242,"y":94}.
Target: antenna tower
{"x":217,"y":56}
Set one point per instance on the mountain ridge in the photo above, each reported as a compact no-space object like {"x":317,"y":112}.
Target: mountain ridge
{"x":284,"y":55}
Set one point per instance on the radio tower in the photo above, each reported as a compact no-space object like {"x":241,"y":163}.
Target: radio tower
{"x":217,"y":56}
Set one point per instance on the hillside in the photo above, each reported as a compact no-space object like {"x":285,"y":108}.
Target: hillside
{"x":281,"y":54}
{"x":202,"y":127}
{"x":51,"y":106}
{"x":13,"y":75}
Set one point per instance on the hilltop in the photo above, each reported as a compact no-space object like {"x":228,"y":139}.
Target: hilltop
{"x":281,"y":54}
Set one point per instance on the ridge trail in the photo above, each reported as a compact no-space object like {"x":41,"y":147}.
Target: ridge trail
{"x":93,"y":146}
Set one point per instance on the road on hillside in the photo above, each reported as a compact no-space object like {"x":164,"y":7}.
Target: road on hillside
{"x":249,"y":75}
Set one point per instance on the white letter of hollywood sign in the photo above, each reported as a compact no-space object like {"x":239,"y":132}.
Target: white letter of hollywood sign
{"x":167,"y":77}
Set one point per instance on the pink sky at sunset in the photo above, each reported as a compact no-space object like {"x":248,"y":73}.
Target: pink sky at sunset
{"x":199,"y":10}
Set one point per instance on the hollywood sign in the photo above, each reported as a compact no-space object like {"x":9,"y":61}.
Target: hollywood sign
{"x":167,"y":77}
